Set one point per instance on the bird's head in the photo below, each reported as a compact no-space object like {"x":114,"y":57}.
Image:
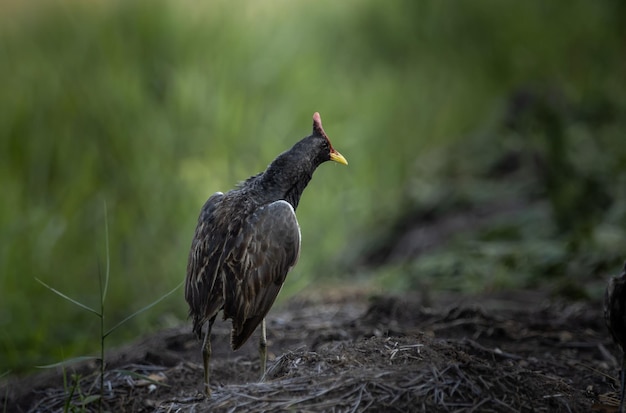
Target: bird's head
{"x":318,"y":146}
{"x":288,"y":175}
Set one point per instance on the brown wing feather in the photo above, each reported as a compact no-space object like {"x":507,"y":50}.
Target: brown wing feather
{"x":258,"y":261}
{"x":203,"y":285}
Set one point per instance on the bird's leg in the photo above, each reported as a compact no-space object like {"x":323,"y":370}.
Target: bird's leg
{"x":622,"y":377}
{"x":206,"y":356}
{"x":263,"y":349}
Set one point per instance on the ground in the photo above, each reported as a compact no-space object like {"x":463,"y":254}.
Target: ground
{"x":351,"y":351}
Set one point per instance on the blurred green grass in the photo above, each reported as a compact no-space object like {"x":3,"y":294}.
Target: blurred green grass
{"x":153,"y":106}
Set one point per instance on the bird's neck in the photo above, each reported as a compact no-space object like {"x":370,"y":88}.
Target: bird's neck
{"x":282,"y":180}
{"x":293,"y":194}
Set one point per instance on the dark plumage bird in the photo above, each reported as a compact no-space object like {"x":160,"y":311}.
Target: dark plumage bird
{"x":615,"y":317}
{"x":246,"y":242}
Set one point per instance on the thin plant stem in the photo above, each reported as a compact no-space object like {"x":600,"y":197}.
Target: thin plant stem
{"x":104,"y":333}
{"x":108,"y":262}
{"x":102,"y":336}
{"x":103,"y":293}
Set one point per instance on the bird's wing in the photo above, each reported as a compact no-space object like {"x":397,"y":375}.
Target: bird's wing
{"x":203,"y":286}
{"x":266,"y":248}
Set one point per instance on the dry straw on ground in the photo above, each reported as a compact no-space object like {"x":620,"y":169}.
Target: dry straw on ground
{"x":392,"y":354}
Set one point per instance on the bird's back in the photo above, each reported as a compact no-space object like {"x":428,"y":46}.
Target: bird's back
{"x":242,"y":249}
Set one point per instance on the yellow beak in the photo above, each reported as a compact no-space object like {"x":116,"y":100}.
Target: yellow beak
{"x":337,"y":157}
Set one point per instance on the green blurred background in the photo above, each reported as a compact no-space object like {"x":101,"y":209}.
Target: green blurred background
{"x":442,"y":108}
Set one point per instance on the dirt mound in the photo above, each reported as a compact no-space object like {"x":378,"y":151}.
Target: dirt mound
{"x":510,"y":352}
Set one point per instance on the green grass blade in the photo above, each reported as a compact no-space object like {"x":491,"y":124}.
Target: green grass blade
{"x":59,"y":293}
{"x":152,"y":304}
{"x":67,"y":362}
{"x":6,"y":396}
{"x":90,"y":399}
{"x":70,"y":393}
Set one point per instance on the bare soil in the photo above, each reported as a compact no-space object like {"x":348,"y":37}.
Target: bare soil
{"x":347,"y":351}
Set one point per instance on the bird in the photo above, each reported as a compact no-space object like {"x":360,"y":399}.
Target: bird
{"x":615,"y":318}
{"x":245,"y":243}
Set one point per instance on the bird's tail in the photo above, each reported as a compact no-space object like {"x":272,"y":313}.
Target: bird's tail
{"x":239,"y":336}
